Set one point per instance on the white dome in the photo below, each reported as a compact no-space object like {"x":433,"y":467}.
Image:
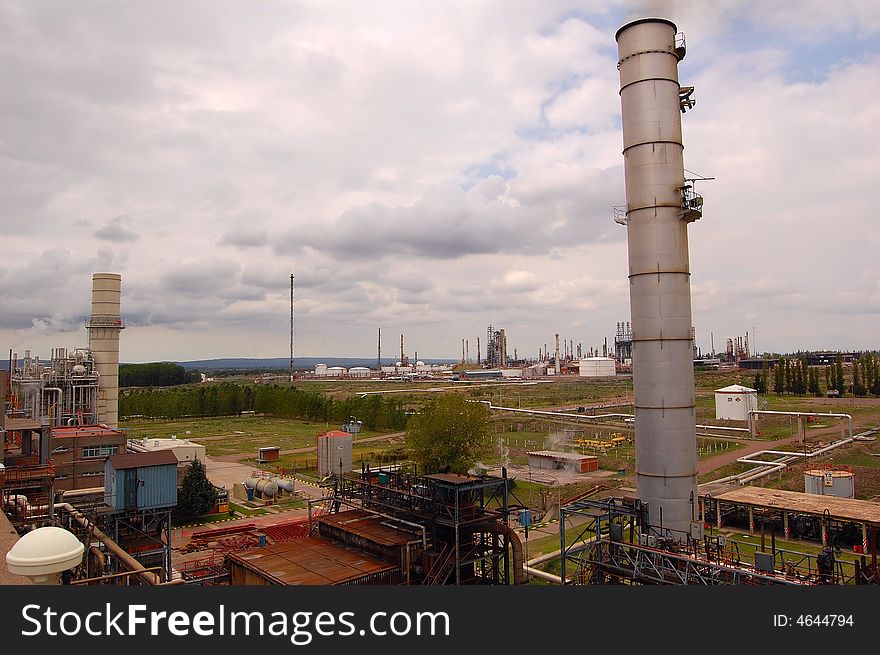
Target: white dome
{"x":79,"y":369}
{"x":44,"y":553}
{"x":420,"y":363}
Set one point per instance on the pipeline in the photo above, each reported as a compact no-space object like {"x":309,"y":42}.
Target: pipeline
{"x":538,"y":573}
{"x":766,"y":468}
{"x":127,"y":560}
{"x":515,"y":544}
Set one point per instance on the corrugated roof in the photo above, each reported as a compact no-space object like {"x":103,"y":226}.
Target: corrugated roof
{"x":797,"y":501}
{"x":85,"y":431}
{"x":21,"y":424}
{"x":370,"y":526}
{"x":312,"y":561}
{"x":136,"y":460}
{"x":453,"y":478}
{"x":555,"y":454}
{"x":335,"y":433}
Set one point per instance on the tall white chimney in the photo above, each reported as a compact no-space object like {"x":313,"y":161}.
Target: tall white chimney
{"x":659,"y":207}
{"x":104,"y":326}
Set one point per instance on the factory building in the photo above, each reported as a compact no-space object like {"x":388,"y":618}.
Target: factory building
{"x":553,"y":460}
{"x":79,"y":452}
{"x":396,"y":528}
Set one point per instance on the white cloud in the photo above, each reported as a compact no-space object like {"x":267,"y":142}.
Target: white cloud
{"x":427,"y":169}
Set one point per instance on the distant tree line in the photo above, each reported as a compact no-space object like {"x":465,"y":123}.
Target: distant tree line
{"x":155,"y":374}
{"x":797,"y":377}
{"x":227,"y":399}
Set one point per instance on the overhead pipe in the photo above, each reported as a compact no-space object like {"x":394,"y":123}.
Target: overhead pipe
{"x":115,"y":549}
{"x":768,"y":411}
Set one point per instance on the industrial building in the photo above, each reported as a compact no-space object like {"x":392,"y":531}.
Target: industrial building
{"x":392,"y":527}
{"x":554,"y":461}
{"x":496,"y":348}
{"x":78,"y":453}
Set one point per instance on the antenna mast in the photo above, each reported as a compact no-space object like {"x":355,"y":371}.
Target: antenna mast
{"x":291,"y":327}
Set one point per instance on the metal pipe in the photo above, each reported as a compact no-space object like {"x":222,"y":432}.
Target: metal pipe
{"x":659,"y":270}
{"x":767,"y":411}
{"x":115,"y":549}
{"x":538,"y":573}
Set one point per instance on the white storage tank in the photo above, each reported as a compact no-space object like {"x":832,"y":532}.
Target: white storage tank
{"x":735,"y":402}
{"x":359,"y":372}
{"x":838,"y":482}
{"x":320,"y":369}
{"x":334,"y":446}
{"x":597,"y":367}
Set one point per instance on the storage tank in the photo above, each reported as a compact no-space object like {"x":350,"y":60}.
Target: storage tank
{"x":266,"y":487}
{"x":285,"y":484}
{"x":830,"y":482}
{"x":334,"y":446}
{"x":597,"y":367}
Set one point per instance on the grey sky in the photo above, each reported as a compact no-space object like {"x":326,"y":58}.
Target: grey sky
{"x":426,"y":168}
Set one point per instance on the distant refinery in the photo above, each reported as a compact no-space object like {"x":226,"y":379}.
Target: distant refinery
{"x":389,"y":524}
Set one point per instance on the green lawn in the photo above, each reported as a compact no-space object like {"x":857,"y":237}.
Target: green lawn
{"x":230,"y":435}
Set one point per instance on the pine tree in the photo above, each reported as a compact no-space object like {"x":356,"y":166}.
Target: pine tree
{"x":858,"y":386}
{"x":814,"y":382}
{"x":197,"y":495}
{"x":779,"y":377}
{"x":838,"y":375}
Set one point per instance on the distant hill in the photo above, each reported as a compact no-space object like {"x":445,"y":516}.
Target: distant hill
{"x":281,"y":364}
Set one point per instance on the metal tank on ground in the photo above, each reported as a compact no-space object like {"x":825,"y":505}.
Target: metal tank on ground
{"x":660,"y":204}
{"x":839,"y":482}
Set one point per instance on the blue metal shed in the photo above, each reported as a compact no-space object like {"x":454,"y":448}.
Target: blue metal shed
{"x":141,"y":480}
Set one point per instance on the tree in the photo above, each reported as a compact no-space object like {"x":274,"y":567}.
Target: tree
{"x":759,"y":383}
{"x":449,"y":432}
{"x":858,"y":385}
{"x":779,"y":377}
{"x":838,"y":375}
{"x":814,"y":382}
{"x":196,"y":495}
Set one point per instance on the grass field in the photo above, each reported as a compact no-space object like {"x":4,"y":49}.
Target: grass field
{"x":230,"y":435}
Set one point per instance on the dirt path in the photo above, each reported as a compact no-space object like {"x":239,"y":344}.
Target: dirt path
{"x":237,"y":457}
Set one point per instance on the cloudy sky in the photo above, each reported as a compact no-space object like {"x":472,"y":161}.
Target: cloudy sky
{"x":424,"y":167}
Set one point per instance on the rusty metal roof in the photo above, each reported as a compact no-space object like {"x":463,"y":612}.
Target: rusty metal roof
{"x":312,"y":561}
{"x":85,"y":431}
{"x":795,"y":501}
{"x":375,"y":528}
{"x":453,"y":478}
{"x":13,"y":424}
{"x":136,"y":460}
